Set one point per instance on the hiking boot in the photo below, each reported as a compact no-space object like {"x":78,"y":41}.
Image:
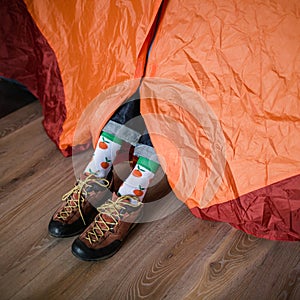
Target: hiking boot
{"x":104,"y":237}
{"x":77,"y":211}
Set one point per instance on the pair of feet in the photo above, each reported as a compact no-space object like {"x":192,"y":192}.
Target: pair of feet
{"x":102,"y":230}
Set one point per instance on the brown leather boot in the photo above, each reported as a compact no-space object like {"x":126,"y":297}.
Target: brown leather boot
{"x":76,"y":212}
{"x":104,"y":237}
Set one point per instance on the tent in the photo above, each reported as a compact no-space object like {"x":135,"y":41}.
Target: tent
{"x":219,"y":85}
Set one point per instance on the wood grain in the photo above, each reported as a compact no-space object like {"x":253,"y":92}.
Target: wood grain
{"x":20,"y":118}
{"x":176,"y":257}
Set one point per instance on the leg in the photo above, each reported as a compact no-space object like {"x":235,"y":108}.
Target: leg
{"x":125,"y":125}
{"x":104,"y":237}
{"x":76,"y":211}
{"x":145,"y":169}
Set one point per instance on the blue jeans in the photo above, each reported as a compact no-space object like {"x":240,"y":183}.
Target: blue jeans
{"x":128,"y":125}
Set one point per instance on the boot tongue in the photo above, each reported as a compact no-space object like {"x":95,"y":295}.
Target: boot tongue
{"x":133,"y":205}
{"x":83,"y":176}
{"x":75,"y":197}
{"x":93,"y":186}
{"x":107,"y":218}
{"x":108,"y":221}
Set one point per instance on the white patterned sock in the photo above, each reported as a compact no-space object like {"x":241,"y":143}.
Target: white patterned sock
{"x":105,"y":153}
{"x":139,"y":179}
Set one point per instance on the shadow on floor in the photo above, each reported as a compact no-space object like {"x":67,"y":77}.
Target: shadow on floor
{"x":13,"y":96}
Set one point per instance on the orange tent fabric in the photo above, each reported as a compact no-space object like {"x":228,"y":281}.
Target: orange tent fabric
{"x":242,"y":61}
{"x":219,"y":94}
{"x":98,"y":44}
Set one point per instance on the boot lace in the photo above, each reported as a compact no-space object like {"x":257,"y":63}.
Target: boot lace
{"x":114,"y":210}
{"x":77,"y":195}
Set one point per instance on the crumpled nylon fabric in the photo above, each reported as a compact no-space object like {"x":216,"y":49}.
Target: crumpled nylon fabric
{"x":26,"y":56}
{"x":243,"y":59}
{"x":219,"y":94}
{"x":98,"y":44}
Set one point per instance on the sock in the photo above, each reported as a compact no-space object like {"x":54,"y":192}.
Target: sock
{"x":139,"y":179}
{"x":104,"y":155}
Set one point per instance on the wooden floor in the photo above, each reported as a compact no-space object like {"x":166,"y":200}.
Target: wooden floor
{"x":178,"y":257}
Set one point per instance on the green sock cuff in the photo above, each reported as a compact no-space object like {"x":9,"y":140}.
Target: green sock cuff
{"x":111,"y":137}
{"x":148,"y":164}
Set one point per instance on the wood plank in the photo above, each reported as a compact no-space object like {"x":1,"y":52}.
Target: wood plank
{"x":239,"y":270}
{"x":176,"y":257}
{"x":19,"y":118}
{"x":109,"y":277}
{"x":21,"y":150}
